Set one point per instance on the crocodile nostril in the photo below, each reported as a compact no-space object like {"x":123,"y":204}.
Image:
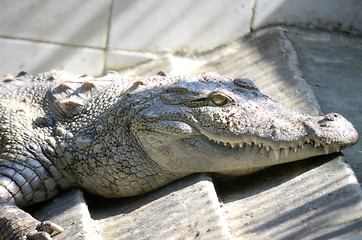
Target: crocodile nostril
{"x":330,"y":117}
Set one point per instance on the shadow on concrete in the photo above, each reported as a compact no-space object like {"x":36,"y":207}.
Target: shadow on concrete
{"x":107,"y":207}
{"x":303,"y":200}
{"x":268,"y":178}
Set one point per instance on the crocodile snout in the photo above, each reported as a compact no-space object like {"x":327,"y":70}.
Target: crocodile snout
{"x":332,"y":128}
{"x":331,"y":116}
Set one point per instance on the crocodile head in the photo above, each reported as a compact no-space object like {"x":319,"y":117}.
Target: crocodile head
{"x":211,"y":123}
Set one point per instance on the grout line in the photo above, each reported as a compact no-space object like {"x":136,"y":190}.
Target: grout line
{"x":251,"y":27}
{"x":50,"y":42}
{"x":73,"y":45}
{"x":109,"y":25}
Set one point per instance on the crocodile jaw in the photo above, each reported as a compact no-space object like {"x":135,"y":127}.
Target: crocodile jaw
{"x":186,"y":149}
{"x":200,"y":154}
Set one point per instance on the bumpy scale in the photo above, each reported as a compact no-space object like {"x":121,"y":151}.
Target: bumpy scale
{"x":118,"y":137}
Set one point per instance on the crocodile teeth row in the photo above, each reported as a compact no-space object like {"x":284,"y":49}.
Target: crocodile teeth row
{"x":277,"y":152}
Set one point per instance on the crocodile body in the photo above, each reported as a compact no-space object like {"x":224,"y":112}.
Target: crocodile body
{"x":119,"y":137}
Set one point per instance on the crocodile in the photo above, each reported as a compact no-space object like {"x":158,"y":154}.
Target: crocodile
{"x":120,"y":136}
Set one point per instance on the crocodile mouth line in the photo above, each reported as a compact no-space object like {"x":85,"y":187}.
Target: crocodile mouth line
{"x":278,"y":150}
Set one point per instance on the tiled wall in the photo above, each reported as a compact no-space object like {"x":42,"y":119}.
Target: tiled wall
{"x":89,"y":36}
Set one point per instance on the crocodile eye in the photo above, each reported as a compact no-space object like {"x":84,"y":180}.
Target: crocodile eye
{"x":219,"y":100}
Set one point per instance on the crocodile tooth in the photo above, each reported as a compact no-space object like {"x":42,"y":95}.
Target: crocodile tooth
{"x":338,"y":148}
{"x":308,"y":141}
{"x":267,"y":148}
{"x":301,"y":145}
{"x":277,"y":154}
{"x":260,"y":145}
{"x":286,"y":150}
{"x":295,"y":149}
{"x":232,"y":145}
{"x":249,"y":143}
{"x":225,"y":144}
{"x":316,"y":144}
{"x":326,"y":149}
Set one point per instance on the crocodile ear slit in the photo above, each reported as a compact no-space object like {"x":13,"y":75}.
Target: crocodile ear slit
{"x":246,"y":83}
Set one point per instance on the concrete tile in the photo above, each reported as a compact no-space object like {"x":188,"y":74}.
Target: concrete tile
{"x":17,"y":55}
{"x":173,"y":25}
{"x":332,"y":15}
{"x":75,"y":22}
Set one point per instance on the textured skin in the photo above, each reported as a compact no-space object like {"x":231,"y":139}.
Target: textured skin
{"x":119,"y":137}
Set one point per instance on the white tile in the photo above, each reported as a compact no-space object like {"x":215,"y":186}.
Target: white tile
{"x":118,"y":59}
{"x":17,"y":55}
{"x":68,"y":21}
{"x":333,"y":15}
{"x":177,"y":25}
